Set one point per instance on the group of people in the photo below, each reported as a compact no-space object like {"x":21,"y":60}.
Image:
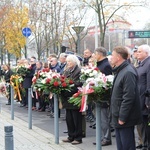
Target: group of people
{"x":129,"y":104}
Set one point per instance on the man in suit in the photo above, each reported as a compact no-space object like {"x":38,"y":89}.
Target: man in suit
{"x":143,"y":56}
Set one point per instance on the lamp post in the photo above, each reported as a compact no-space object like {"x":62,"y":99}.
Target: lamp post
{"x":78,"y":30}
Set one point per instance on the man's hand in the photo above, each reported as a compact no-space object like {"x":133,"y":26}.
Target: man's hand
{"x":121,"y":122}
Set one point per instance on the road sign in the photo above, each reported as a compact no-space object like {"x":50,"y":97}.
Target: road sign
{"x":139,"y":34}
{"x":26,"y":32}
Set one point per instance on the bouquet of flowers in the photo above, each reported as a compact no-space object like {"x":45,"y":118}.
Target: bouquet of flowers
{"x":48,"y":81}
{"x":23,"y":71}
{"x":3,"y":89}
{"x":88,"y":72}
{"x":96,"y":89}
{"x":99,"y":88}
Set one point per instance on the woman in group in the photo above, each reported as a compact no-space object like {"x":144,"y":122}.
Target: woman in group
{"x":7,"y":72}
{"x":73,"y":116}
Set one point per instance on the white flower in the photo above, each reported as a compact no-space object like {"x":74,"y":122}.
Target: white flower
{"x":43,"y":81}
{"x":110,"y":78}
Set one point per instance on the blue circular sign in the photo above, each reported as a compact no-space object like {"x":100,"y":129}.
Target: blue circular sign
{"x":26,"y":32}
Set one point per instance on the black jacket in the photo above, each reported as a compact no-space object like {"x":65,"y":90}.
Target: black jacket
{"x":125,"y":103}
{"x":104,"y":66}
{"x":27,"y":82}
{"x":65,"y":95}
{"x":106,"y":69}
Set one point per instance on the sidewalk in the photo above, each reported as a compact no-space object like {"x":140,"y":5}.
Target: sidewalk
{"x":29,"y":139}
{"x":41,"y":136}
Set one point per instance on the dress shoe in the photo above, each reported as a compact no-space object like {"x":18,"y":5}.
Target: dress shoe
{"x":41,"y":110}
{"x":106,"y":142}
{"x":139,"y":146}
{"x":67,"y":141}
{"x":65,"y":131}
{"x":33,"y":108}
{"x":8,"y":104}
{"x":91,"y":126}
{"x":76,"y":142}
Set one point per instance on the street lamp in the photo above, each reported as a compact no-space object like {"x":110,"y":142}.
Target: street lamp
{"x":78,"y":30}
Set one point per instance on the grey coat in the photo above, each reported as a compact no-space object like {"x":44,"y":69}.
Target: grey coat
{"x":144,"y":84}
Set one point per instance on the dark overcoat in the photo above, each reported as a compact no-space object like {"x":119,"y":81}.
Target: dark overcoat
{"x":144,"y":84}
{"x":125,"y":103}
{"x":27,"y":82}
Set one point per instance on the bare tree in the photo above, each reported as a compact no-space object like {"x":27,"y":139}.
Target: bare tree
{"x":107,"y":10}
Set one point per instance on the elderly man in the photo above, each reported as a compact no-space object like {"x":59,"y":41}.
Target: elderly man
{"x":143,"y":56}
{"x":62,"y":59}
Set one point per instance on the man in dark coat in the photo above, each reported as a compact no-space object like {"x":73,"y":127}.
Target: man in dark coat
{"x":27,"y":82}
{"x":143,"y":56}
{"x":105,"y":68}
{"x":125,"y":103}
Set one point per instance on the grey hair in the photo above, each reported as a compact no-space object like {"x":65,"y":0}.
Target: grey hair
{"x":101,"y":50}
{"x":63,"y":55}
{"x":145,"y":48}
{"x":74,"y":59}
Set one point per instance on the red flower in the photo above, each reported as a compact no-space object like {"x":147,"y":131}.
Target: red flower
{"x":96,"y":69}
{"x":90,"y":90}
{"x":34,"y":80}
{"x":56,"y":83}
{"x":75,"y":95}
{"x":62,"y":80}
{"x":54,"y":77}
{"x":48,"y":81}
{"x":70,"y":81}
{"x":64,"y":84}
{"x":63,"y":77}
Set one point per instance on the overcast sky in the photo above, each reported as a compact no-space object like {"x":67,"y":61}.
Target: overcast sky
{"x":140,"y":18}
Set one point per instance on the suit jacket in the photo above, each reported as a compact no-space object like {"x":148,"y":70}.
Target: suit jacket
{"x":106,"y":69}
{"x":144,"y":84}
